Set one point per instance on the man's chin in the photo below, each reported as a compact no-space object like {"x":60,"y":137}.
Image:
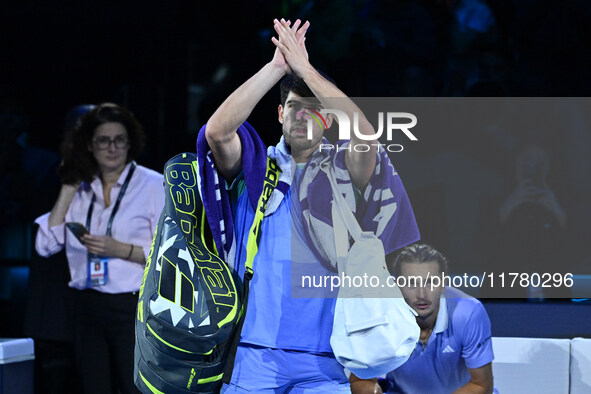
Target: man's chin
{"x":299,"y":144}
{"x":294,"y":135}
{"x":423,"y":313}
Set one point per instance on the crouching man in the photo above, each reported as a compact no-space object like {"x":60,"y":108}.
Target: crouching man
{"x":454,"y":353}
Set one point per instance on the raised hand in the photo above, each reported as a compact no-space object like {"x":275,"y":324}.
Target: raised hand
{"x":300,"y":33}
{"x":525,"y":192}
{"x":297,"y":37}
{"x":549,"y":201}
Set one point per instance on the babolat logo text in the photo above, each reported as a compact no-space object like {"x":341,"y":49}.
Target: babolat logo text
{"x":394,"y":121}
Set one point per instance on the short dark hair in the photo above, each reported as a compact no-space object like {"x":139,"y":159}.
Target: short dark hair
{"x":416,"y":253}
{"x":293,"y":83}
{"x":79,"y":163}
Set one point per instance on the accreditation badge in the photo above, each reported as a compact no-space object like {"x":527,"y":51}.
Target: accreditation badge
{"x":98,"y":271}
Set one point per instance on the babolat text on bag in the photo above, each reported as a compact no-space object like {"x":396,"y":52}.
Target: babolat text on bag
{"x":189,"y":302}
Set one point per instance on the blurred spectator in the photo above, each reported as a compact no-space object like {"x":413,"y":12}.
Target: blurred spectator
{"x":472,"y":23}
{"x":120,"y":202}
{"x":528,"y":231}
{"x":532,"y":188}
{"x":471,"y":20}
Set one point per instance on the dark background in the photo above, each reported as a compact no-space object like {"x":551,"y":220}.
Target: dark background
{"x":161,"y":58}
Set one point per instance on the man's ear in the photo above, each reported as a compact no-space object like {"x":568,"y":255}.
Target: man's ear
{"x":329,"y":120}
{"x":280,"y":113}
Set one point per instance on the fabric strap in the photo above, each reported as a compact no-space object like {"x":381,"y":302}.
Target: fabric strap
{"x":344,"y":220}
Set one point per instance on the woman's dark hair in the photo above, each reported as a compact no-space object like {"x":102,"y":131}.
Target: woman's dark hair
{"x":79,"y":163}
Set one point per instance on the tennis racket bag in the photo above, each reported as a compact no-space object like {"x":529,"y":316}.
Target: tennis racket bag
{"x":189,"y":301}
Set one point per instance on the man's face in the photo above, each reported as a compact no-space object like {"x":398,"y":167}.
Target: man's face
{"x":423,"y":299}
{"x":294,"y":118}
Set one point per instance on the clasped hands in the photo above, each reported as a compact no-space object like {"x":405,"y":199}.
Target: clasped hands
{"x":291,"y":55}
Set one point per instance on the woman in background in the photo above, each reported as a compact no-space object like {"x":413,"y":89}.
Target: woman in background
{"x":118,"y":203}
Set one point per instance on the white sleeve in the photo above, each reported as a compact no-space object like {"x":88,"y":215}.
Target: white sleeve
{"x":49,"y":240}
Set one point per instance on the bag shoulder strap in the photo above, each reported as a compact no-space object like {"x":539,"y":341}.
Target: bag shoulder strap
{"x":254,"y":234}
{"x":347,"y":216}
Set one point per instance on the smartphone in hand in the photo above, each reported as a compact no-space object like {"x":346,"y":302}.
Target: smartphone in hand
{"x":77,"y":229}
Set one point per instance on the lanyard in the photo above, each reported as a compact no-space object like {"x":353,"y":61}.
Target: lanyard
{"x":116,"y":207}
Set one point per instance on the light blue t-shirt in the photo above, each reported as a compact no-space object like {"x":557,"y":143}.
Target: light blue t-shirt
{"x":276,"y":318}
{"x":461,"y":339}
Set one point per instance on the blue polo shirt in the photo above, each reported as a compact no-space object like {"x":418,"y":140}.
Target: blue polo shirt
{"x":281,"y":314}
{"x":461,"y":339}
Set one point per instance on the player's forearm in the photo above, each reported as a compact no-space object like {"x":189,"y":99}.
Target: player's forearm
{"x":333,"y":97}
{"x":221,"y":128}
{"x":222,"y":125}
{"x":360,"y":162}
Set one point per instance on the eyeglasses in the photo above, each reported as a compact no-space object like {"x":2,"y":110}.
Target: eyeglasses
{"x":105,"y":142}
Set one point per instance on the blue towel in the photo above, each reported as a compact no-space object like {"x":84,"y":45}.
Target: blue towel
{"x":384,"y":207}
